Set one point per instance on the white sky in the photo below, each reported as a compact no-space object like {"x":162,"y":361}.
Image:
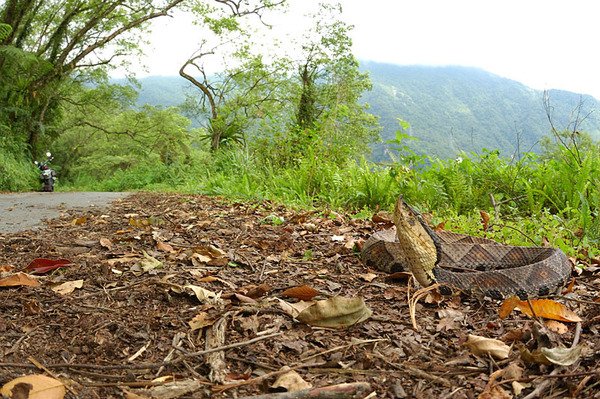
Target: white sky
{"x":541,"y":43}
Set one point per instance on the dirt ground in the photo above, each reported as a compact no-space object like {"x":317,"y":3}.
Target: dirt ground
{"x":185,"y":296}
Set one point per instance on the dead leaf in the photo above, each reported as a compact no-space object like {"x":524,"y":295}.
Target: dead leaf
{"x":290,"y":381}
{"x":34,"y":386}
{"x":6,"y":268}
{"x":485,"y":220}
{"x":79,"y":221}
{"x":210,"y":255}
{"x":303,"y":292}
{"x":169,"y":390}
{"x":164,"y":247}
{"x":106,"y":243}
{"x":255,"y":291}
{"x":562,"y":356}
{"x":336,"y":312}
{"x":482,"y":346}
{"x":493,"y":390}
{"x":556,"y":326}
{"x":535,"y":357}
{"x":368,"y":277}
{"x":293,"y":309}
{"x":545,"y":308}
{"x":18,"y":280}
{"x":569,"y":288}
{"x":507,"y":307}
{"x":204,"y":295}
{"x":149,"y":263}
{"x":199,"y":321}
{"x":68,"y":287}
{"x":43,"y":265}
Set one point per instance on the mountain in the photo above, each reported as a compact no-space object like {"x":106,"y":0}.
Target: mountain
{"x":453,"y":109}
{"x":449,"y":109}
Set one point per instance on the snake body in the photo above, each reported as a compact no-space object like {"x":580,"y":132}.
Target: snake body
{"x":471,"y":264}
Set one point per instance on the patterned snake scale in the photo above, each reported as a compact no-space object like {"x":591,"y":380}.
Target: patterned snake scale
{"x":474,"y":265}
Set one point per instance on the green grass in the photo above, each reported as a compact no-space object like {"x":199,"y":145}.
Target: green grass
{"x":537,"y":199}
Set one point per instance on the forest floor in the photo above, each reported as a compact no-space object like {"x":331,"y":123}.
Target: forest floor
{"x":183,"y":296}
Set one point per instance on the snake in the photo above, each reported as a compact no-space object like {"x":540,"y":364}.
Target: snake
{"x":473,"y":265}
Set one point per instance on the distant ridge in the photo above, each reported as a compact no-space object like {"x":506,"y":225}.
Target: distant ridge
{"x":450,"y":109}
{"x":453,"y":109}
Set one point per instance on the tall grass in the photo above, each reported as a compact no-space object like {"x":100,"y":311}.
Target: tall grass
{"x":16,"y":174}
{"x":531,"y":200}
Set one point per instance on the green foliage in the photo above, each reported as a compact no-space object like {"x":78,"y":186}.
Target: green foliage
{"x":15,"y":173}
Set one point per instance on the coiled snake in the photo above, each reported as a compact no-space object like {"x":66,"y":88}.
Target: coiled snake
{"x":470,"y":264}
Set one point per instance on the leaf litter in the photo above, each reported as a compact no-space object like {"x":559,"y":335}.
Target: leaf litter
{"x":183,"y":296}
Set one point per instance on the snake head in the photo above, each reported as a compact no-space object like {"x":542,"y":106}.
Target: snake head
{"x":410,"y":221}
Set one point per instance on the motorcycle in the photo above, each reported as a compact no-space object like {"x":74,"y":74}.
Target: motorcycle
{"x":47,"y":174}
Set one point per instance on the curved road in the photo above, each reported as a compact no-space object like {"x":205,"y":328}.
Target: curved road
{"x":24,"y":211}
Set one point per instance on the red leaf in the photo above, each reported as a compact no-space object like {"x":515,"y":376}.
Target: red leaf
{"x":43,"y":265}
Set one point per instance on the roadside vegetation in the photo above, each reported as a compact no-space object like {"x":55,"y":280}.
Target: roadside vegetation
{"x":290,"y":129}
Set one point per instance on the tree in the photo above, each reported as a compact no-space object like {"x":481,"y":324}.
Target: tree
{"x":329,"y":116}
{"x":77,"y":40}
{"x":244,"y":85}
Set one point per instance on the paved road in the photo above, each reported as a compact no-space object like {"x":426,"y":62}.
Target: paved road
{"x":24,"y":211}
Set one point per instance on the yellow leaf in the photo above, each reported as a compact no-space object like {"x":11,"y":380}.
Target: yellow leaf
{"x":79,"y":221}
{"x":508,"y":306}
{"x":548,"y":309}
{"x":149,"y":263}
{"x":42,"y":387}
{"x":203,"y":295}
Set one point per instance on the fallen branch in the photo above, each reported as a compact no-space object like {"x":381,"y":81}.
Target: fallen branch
{"x":357,"y":390}
{"x":337,"y":348}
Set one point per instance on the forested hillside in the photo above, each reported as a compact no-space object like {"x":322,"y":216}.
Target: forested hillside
{"x":453,"y":109}
{"x":449,"y":109}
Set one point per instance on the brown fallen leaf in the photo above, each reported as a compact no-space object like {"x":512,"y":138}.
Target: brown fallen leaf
{"x":336,"y":312}
{"x":485,"y":220}
{"x":106,"y":243}
{"x":18,"y":280}
{"x":482,"y":346}
{"x":290,"y":381}
{"x":556,"y":326}
{"x":303,"y":292}
{"x":494,"y":390}
{"x":6,"y":268}
{"x":34,"y":386}
{"x":68,"y":287}
{"x":164,"y":247}
{"x":368,"y":277}
{"x":545,"y":308}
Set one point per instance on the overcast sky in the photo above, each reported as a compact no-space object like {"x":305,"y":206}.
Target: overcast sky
{"x":541,"y":43}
